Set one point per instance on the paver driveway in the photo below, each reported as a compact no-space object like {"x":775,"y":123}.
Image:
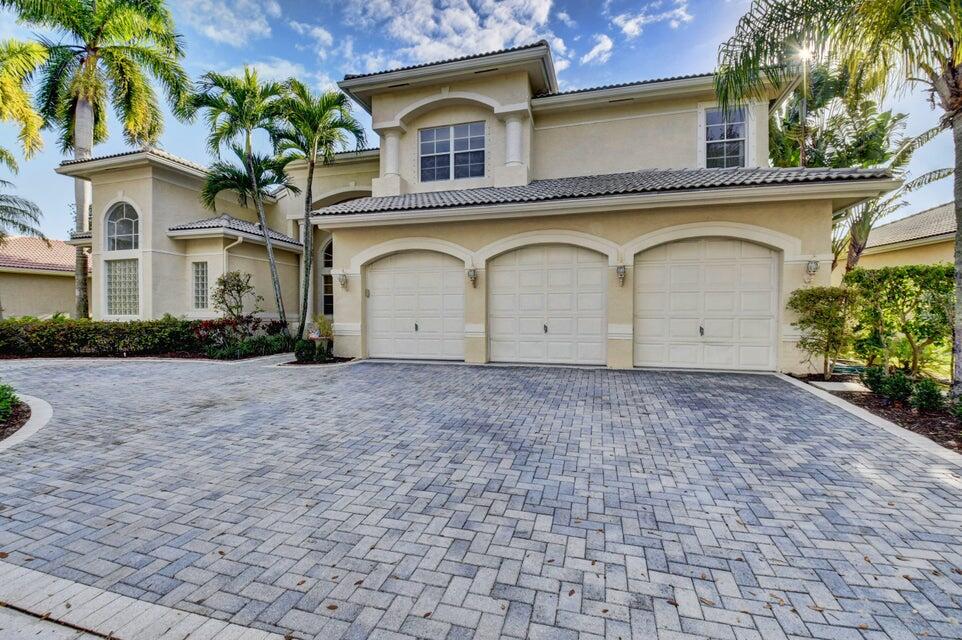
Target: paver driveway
{"x":405,"y":500}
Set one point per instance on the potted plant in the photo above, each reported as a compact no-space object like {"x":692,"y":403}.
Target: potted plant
{"x":323,"y":336}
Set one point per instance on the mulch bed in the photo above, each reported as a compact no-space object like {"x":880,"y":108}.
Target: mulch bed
{"x":312,"y":364}
{"x":21,"y":413}
{"x":939,"y":426}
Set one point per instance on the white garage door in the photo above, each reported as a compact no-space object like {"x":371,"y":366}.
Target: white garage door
{"x":415,"y":306}
{"x":706,"y":302}
{"x":547,"y":303}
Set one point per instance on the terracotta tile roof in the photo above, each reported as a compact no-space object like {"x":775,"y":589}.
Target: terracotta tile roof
{"x":231,"y":223}
{"x":160,"y":153}
{"x":648,"y":181}
{"x":936,"y":221}
{"x":539,"y":43}
{"x":22,"y":252}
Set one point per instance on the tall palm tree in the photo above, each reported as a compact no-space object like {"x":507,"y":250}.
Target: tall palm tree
{"x":106,"y":53}
{"x":17,"y":215}
{"x":18,"y":61}
{"x":898,"y":43}
{"x":315,"y":126}
{"x":236,"y":107}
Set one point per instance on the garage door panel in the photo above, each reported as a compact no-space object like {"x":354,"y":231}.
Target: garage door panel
{"x":724,"y":286}
{"x":415,"y":306}
{"x":560,"y":286}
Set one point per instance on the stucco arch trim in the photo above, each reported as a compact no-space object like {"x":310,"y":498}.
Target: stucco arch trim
{"x":437,"y":101}
{"x":397,"y":245}
{"x":576,"y":238}
{"x":790,"y":246}
{"x":340,"y":194}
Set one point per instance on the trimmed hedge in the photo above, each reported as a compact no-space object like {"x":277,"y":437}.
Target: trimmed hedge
{"x":225,"y":339}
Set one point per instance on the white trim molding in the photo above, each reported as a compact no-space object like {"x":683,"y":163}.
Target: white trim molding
{"x":620,"y":331}
{"x":369,"y":255}
{"x":436,"y":101}
{"x":751,"y":133}
{"x":552,"y":236}
{"x":474,"y":331}
{"x":347,"y":329}
{"x":788,"y":245}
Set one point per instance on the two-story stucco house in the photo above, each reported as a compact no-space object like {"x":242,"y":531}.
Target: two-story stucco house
{"x":504,"y":220}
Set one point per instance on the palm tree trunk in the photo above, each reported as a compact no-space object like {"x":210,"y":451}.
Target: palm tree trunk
{"x":262,"y":217}
{"x":855,"y":250}
{"x":83,"y":142}
{"x":308,"y":249}
{"x":957,"y":337}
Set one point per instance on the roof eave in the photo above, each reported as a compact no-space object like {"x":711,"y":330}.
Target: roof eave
{"x":840,"y":193}
{"x":908,"y":244}
{"x":361,"y":88}
{"x":647,"y":91}
{"x":222,"y":232}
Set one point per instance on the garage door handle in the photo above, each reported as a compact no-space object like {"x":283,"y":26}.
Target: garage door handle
{"x":546,"y":328}
{"x":701,"y":331}
{"x":415,"y":326}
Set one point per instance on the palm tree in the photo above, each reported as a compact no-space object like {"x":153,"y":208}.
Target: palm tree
{"x":17,"y":215}
{"x":316,"y":125}
{"x":900,"y":43}
{"x":236,"y":108}
{"x":270,"y":174}
{"x":106,"y":53}
{"x":18,"y":61}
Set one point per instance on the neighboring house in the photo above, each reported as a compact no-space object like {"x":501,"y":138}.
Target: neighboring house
{"x":36,"y":279}
{"x":927,"y":237}
{"x":504,"y":220}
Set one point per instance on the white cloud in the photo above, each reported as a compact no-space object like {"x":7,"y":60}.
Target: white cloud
{"x":322,"y":38}
{"x":632,"y":24}
{"x":233,"y":22}
{"x":454,"y":28}
{"x":601,"y":52}
{"x":277,"y":69}
{"x":566,"y":19}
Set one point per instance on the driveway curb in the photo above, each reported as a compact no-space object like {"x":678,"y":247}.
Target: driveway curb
{"x":910,"y":436}
{"x":40,"y":414}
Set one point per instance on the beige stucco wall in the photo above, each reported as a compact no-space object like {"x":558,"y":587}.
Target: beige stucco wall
{"x":36,"y":294}
{"x":164,"y":198}
{"x":347,"y":177}
{"x":933,"y":253}
{"x":805,"y":227}
{"x":252,"y":259}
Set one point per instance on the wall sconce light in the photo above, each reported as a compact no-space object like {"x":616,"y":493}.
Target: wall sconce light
{"x":342,"y":280}
{"x":811,"y":268}
{"x":473,"y":277}
{"x":621,"y":271}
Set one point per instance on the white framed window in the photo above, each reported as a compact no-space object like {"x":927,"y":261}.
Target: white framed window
{"x":122,"y":287}
{"x":327,"y":279}
{"x":199,"y":277}
{"x":726,"y":139}
{"x":455,"y":151}
{"x":122,"y":228}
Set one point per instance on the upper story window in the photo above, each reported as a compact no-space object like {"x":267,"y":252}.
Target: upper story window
{"x":327,"y":279}
{"x":453,"y":151}
{"x":123,"y":228}
{"x":725,"y":138}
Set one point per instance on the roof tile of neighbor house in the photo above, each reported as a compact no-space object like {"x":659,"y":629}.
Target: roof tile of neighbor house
{"x":624,"y":84}
{"x":539,"y":43}
{"x":22,"y":252}
{"x":233,"y":224}
{"x":936,"y":221}
{"x":648,"y":181}
{"x":184,"y":161}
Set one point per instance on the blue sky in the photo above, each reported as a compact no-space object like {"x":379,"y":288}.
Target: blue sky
{"x":320,"y":40}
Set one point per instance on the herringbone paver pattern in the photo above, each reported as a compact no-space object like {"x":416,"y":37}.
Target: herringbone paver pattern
{"x":442,"y":502}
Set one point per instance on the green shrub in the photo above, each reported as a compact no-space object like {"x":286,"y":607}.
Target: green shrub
{"x":324,"y":348}
{"x":7,"y":400}
{"x":262,"y":345}
{"x":897,"y":387}
{"x":874,"y":379}
{"x":304,"y":350}
{"x":927,"y":395}
{"x":956,"y":410}
{"x":823,"y":320}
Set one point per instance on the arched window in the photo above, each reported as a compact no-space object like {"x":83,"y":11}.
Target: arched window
{"x":327,"y":280}
{"x":123,"y":228}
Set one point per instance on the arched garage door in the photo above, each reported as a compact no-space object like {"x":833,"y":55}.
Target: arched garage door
{"x":415,"y":306}
{"x":547,"y":303}
{"x":706,"y":302}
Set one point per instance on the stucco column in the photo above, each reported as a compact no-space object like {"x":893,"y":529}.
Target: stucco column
{"x":621,"y":310}
{"x":392,"y":152}
{"x":513,"y":141}
{"x":475,"y":315}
